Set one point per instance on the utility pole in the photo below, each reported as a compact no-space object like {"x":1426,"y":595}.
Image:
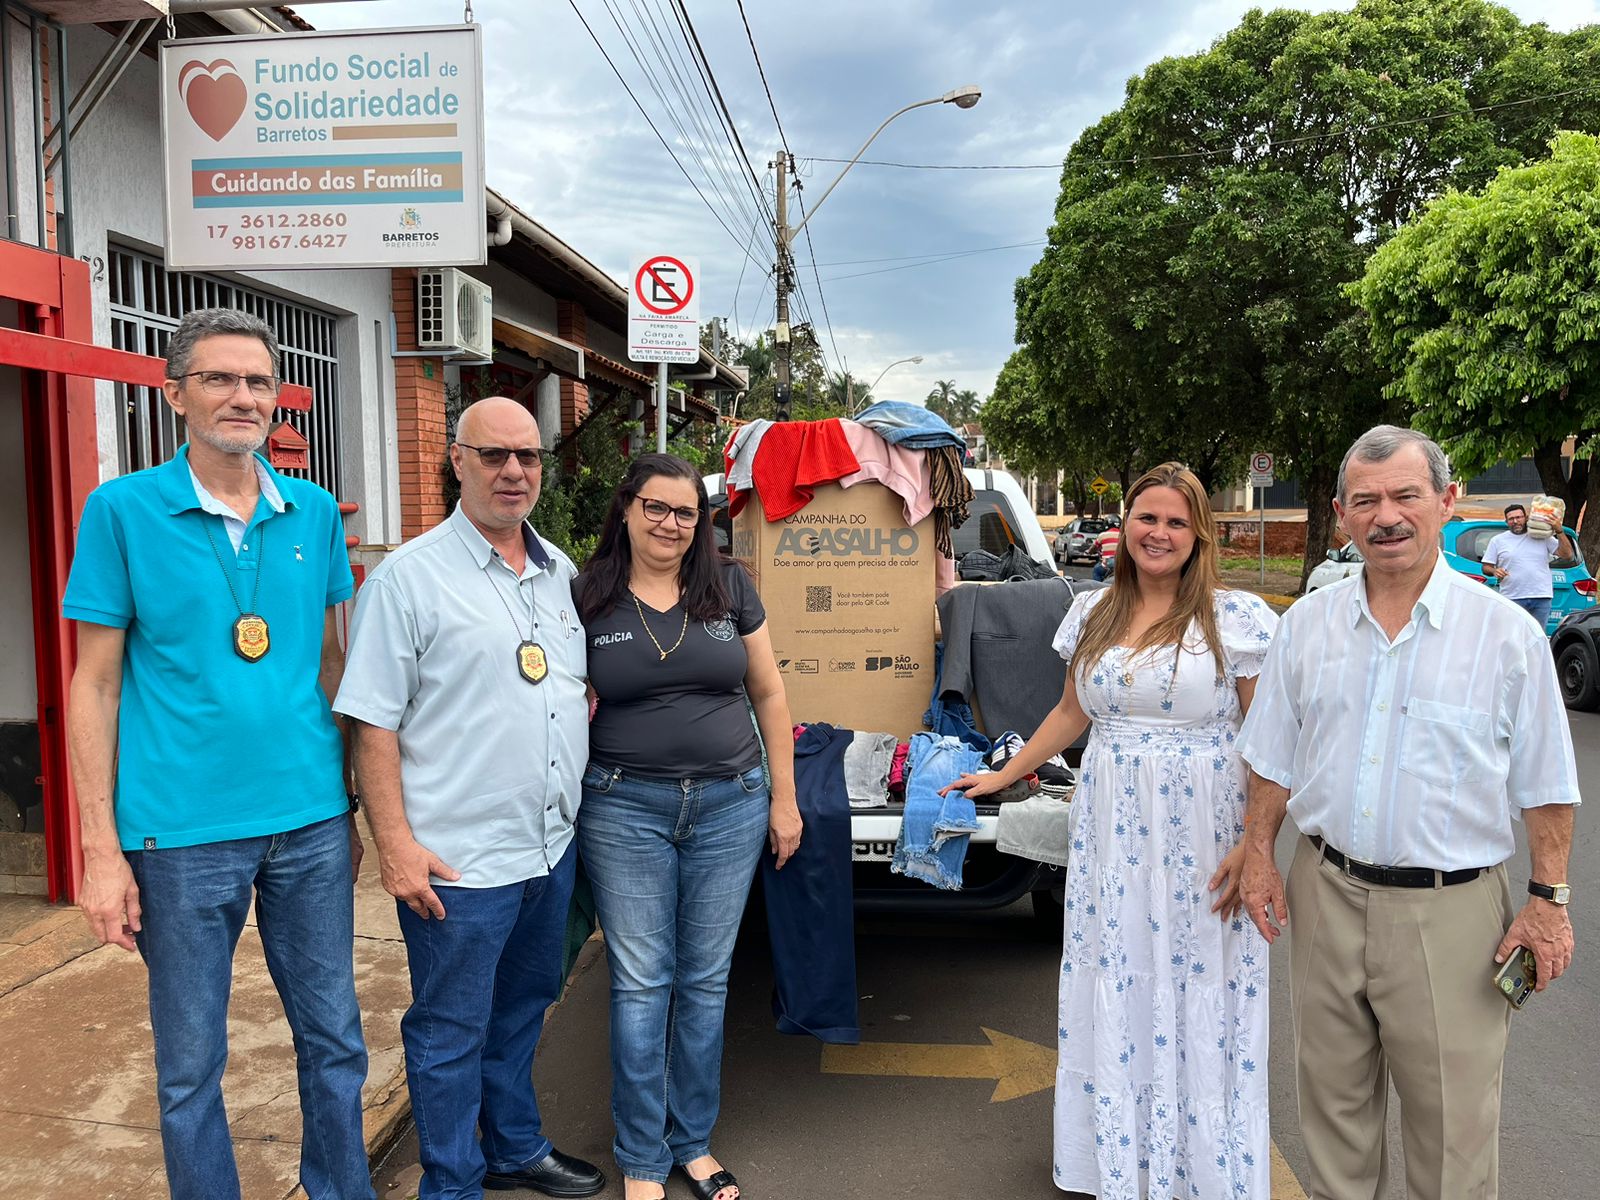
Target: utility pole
{"x":781,"y":278}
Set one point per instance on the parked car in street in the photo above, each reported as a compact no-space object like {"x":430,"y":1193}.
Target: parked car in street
{"x":1000,"y":517}
{"x":1464,"y":544}
{"x":1576,"y":646}
{"x":1075,"y":541}
{"x":1342,"y":561}
{"x":1573,"y":588}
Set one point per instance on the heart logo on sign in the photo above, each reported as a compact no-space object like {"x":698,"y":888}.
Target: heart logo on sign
{"x":214,"y":94}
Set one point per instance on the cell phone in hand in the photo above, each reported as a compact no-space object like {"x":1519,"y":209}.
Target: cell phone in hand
{"x":1515,"y":979}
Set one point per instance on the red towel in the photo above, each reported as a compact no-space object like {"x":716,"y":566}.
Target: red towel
{"x":793,"y":458}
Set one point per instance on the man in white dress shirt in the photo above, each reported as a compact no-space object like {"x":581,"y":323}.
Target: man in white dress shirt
{"x":1404,"y":718}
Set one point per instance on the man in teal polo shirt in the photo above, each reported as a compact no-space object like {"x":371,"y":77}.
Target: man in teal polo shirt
{"x":208,"y":767}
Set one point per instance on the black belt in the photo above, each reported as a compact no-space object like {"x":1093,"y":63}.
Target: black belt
{"x":1406,"y":877}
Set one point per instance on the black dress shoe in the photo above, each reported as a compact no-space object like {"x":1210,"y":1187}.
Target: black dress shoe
{"x":556,"y":1174}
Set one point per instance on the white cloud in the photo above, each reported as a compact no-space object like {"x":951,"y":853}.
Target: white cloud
{"x":569,"y":147}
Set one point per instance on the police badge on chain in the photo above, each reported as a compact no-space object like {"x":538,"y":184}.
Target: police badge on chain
{"x":251,"y":638}
{"x":531,"y":664}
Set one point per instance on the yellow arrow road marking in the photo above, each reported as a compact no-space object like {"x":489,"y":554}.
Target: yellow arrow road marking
{"x":1018,"y":1067}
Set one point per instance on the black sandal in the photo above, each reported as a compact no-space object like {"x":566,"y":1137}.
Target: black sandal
{"x":707,"y":1188}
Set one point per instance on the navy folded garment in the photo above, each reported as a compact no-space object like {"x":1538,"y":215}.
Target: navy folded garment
{"x":810,"y":903}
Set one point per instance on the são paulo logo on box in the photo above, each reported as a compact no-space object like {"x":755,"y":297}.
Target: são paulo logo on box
{"x":332,"y":149}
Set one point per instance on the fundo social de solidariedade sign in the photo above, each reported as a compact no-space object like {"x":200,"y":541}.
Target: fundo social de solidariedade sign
{"x":359,"y":149}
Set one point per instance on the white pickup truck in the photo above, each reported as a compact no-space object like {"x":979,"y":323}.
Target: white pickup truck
{"x":999,"y":517}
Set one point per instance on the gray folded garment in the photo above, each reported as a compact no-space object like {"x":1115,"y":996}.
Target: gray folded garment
{"x":1038,"y":828}
{"x":866,"y":769}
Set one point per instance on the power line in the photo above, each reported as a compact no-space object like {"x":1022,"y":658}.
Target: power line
{"x":782,"y":138}
{"x":874,"y":162}
{"x":704,"y":120}
{"x":799,"y":196}
{"x":736,"y":212}
{"x":854,"y":262}
{"x":929,"y":262}
{"x":676,"y":161}
{"x":710,"y":79}
{"x":1329,"y":135}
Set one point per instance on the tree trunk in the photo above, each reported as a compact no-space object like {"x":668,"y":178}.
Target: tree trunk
{"x":1320,"y":485}
{"x":1553,"y":478}
{"x":1589,"y":535}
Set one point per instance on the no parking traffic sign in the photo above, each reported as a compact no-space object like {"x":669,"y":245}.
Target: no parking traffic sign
{"x":664,"y":310}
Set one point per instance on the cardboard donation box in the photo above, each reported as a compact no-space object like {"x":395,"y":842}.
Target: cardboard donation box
{"x":848,"y":589}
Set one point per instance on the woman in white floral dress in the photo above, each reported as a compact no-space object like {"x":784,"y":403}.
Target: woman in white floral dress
{"x":1161,"y":1088}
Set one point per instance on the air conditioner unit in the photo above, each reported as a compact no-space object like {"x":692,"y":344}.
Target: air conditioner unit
{"x":455,"y":313}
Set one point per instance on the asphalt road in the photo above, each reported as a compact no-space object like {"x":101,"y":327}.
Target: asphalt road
{"x":927,"y":1116}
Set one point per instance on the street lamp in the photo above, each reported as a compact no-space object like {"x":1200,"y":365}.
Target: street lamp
{"x":961,"y":97}
{"x":850,"y":383}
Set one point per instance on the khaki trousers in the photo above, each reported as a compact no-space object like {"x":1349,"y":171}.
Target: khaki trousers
{"x":1395,"y":983}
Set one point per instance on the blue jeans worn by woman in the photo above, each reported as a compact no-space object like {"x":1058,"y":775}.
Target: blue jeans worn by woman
{"x":671,"y":862}
{"x":481,"y":980}
{"x":195,"y":900}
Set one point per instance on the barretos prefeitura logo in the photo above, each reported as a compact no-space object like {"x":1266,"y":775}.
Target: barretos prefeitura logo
{"x":215,"y":95}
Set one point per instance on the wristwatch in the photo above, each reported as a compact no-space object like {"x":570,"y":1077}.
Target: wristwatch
{"x":1558,"y":893}
{"x":355,"y":805}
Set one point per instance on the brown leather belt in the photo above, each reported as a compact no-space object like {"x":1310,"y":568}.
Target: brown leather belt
{"x":1406,"y":877}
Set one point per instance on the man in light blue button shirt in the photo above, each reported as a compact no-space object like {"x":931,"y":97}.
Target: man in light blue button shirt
{"x":1404,"y":718}
{"x":465,"y":678}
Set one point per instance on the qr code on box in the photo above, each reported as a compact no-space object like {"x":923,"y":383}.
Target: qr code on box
{"x":819,"y":599}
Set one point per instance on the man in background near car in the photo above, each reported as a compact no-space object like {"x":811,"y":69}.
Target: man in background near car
{"x":1521,"y":562}
{"x":1105,"y":551}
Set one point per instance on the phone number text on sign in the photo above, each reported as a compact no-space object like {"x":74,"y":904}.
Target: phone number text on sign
{"x":250,"y":231}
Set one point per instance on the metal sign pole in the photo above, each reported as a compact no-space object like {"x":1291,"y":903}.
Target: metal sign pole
{"x":1261,"y":514}
{"x":661,"y":408}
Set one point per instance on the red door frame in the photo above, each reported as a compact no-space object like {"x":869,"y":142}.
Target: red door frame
{"x":59,"y":362}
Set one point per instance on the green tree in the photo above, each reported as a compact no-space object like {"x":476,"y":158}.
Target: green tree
{"x":940,"y":396}
{"x":1025,"y":429}
{"x":811,"y":388}
{"x":1205,"y":231}
{"x":1486,"y":310}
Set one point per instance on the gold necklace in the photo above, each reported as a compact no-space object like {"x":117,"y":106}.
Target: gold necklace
{"x":652,"y":636}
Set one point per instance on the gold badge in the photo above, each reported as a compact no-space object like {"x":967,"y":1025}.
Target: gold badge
{"x":251,"y":639}
{"x":531,"y":662}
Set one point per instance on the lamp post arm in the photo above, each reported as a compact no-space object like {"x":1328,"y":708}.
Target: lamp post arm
{"x":795,"y":232}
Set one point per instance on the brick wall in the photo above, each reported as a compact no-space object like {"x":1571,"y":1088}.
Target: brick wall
{"x":419,"y":417}
{"x":1284,"y":538}
{"x":572,"y":323}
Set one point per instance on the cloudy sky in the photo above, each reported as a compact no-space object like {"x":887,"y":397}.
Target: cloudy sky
{"x":568,"y":145}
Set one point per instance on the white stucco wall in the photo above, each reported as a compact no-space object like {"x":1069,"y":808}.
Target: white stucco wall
{"x":26,"y":139}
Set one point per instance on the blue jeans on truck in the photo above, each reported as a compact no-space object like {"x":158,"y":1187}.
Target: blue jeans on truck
{"x":671,"y":862}
{"x":195,"y":901}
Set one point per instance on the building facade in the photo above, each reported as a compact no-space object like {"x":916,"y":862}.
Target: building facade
{"x":87,"y":305}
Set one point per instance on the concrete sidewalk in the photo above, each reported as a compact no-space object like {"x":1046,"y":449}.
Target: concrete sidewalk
{"x":77,"y":1066}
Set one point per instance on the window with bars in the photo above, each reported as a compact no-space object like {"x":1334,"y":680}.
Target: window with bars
{"x":147,"y":302}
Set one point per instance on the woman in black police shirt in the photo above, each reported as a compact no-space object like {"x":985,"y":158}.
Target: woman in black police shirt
{"x":675,"y":806}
